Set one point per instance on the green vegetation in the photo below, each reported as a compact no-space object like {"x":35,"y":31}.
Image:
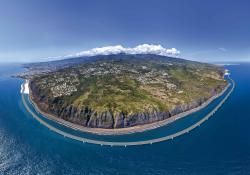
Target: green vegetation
{"x":131,"y":84}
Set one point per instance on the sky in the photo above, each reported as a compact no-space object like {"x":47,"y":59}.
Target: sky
{"x":209,"y":31}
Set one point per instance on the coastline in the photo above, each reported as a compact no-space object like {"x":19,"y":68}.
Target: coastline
{"x":117,"y":131}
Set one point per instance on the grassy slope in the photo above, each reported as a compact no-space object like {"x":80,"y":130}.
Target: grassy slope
{"x":122,"y":92}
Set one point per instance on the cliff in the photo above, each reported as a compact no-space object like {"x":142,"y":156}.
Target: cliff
{"x":89,"y":118}
{"x":120,"y":91}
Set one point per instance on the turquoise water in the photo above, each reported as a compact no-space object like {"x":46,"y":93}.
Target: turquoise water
{"x":220,"y":146}
{"x":167,"y":130}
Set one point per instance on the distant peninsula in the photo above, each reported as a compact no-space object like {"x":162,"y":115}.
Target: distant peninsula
{"x":122,"y":91}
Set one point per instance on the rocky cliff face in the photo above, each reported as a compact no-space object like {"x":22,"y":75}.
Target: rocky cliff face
{"x":89,"y":118}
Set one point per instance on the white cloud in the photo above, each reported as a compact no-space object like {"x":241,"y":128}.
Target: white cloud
{"x":222,"y":49}
{"x":140,"y":49}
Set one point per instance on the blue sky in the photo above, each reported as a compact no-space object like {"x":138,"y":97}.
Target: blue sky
{"x":32,"y":30}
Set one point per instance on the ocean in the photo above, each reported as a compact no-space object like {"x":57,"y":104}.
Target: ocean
{"x":221,"y":145}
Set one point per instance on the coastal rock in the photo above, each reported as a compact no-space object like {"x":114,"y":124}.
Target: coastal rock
{"x":119,"y":120}
{"x":104,"y":120}
{"x":89,"y":118}
{"x":183,"y":108}
{"x":145,"y":118}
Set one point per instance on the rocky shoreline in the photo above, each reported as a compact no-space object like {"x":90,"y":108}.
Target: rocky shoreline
{"x":105,"y":124}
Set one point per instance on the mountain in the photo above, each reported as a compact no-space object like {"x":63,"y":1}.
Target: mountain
{"x":122,"y":90}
